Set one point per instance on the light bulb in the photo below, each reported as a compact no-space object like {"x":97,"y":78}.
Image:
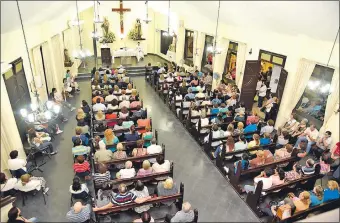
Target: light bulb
{"x":87,"y":52}
{"x":23,"y":112}
{"x":82,"y":54}
{"x":49,"y":104}
{"x":310,"y":85}
{"x":34,"y":107}
{"x":30,"y":118}
{"x":317,"y":83}
{"x":48,"y":115}
{"x":56,"y":109}
{"x":210,"y":49}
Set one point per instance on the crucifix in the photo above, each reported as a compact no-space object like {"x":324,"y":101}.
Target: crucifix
{"x":121,"y":11}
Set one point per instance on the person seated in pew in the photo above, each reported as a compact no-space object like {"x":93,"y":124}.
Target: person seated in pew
{"x":244,"y":163}
{"x":316,"y":196}
{"x":83,"y":118}
{"x":178,"y":97}
{"x":127,"y":172}
{"x":223,"y":109}
{"x":332,"y":192}
{"x":262,"y":157}
{"x":269,"y":128}
{"x":294,"y":174}
{"x":325,"y":163}
{"x":297,"y":130}
{"x":190,"y":95}
{"x":323,"y":144}
{"x":170,"y":78}
{"x":301,"y":148}
{"x":139,"y":151}
{"x":132,"y":135}
{"x":104,"y":194}
{"x":110,"y":115}
{"x":252,"y":118}
{"x":79,"y":149}
{"x":239,"y":117}
{"x":161,"y":165}
{"x":79,"y":213}
{"x":14,"y":216}
{"x":153,"y":149}
{"x":186,"y":104}
{"x":193,"y":87}
{"x":29,"y":183}
{"x":121,"y":198}
{"x":311,"y":134}
{"x":127,"y":123}
{"x":141,"y":191}
{"x":241,"y":144}
{"x":124,"y":112}
{"x":240,"y":108}
{"x":214,"y":111}
{"x":97,"y":96}
{"x":291,"y":122}
{"x":119,"y":154}
{"x":302,"y":202}
{"x":286,"y":207}
{"x":111,"y":96}
{"x":139,"y":113}
{"x":116,"y":90}
{"x":335,"y":156}
{"x":145,"y":218}
{"x":232,"y":101}
{"x":283,"y":153}
{"x":145,"y":170}
{"x":102,"y":154}
{"x":85,"y":106}
{"x":254,"y":142}
{"x":134,"y":98}
{"x":264,"y":177}
{"x":218,"y":119}
{"x":7,"y":185}
{"x":309,"y":169}
{"x":239,"y":129}
{"x":252,"y":127}
{"x":110,"y":139}
{"x":230,"y":130}
{"x":103,"y":176}
{"x":80,"y":135}
{"x":206,"y":101}
{"x":217,"y":100}
{"x":124,"y":100}
{"x":204,"y":122}
{"x":229,"y":147}
{"x":278,"y":177}
{"x":194,"y":81}
{"x":184,"y":215}
{"x":78,"y":190}
{"x":183,"y":89}
{"x":113,"y":105}
{"x":167,"y":188}
{"x":200,"y":93}
{"x":282,"y":139}
{"x":216,"y":133}
{"x":99,"y":116}
{"x":147,"y":137}
{"x":266,"y":139}
{"x":129,"y":89}
{"x":82,"y":167}
{"x":195,"y":112}
{"x":98,"y":106}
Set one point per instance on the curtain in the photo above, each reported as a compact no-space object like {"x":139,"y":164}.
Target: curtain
{"x":332,"y":103}
{"x":295,"y":89}
{"x":200,"y":46}
{"x":39,"y":76}
{"x":219,"y":61}
{"x":48,"y":67}
{"x":58,"y":60}
{"x":240,"y":63}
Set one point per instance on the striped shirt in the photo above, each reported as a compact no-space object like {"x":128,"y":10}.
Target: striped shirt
{"x":121,"y":199}
{"x":80,"y":150}
{"x":80,"y":168}
{"x":101,"y":178}
{"x":82,"y":216}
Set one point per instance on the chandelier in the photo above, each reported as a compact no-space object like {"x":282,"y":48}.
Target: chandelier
{"x":97,"y":18}
{"x":147,"y":20}
{"x":38,"y":112}
{"x":95,"y":34}
{"x":82,"y":53}
{"x":214,"y":49}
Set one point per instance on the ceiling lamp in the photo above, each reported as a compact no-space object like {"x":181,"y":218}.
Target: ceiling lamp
{"x":147,"y":20}
{"x":95,"y":34}
{"x":38,"y":112}
{"x":214,"y":49}
{"x":168,"y":32}
{"x":82,"y":53}
{"x":97,"y":18}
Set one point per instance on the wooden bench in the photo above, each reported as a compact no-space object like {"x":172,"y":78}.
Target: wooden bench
{"x":117,"y":131}
{"x":119,"y":101}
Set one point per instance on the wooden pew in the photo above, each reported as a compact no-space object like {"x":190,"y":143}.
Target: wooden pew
{"x":178,"y":198}
{"x":118,"y":131}
{"x":146,"y":178}
{"x":132,"y":159}
{"x":119,"y":101}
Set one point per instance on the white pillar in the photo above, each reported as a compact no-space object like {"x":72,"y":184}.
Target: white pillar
{"x":180,"y":42}
{"x":219,"y":61}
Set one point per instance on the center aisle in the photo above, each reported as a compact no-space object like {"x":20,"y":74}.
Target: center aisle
{"x":205,"y":187}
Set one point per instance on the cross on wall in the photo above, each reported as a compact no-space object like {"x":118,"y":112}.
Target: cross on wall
{"x":121,"y":10}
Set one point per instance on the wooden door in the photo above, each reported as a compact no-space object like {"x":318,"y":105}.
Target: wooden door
{"x":106,"y":56}
{"x":250,"y":79}
{"x":18,"y":93}
{"x":281,"y":85}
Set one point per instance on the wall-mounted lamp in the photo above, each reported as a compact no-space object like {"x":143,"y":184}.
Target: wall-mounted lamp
{"x":250,"y":51}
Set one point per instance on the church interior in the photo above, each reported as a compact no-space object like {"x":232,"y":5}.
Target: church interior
{"x":170,"y":111}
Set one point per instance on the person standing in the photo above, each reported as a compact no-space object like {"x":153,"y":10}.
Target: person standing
{"x":140,"y":53}
{"x":262,"y":94}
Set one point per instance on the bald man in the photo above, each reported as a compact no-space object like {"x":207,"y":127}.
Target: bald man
{"x":79,"y":213}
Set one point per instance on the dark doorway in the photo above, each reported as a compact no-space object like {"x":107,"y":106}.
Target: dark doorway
{"x":18,"y":93}
{"x":166,"y":41}
{"x":230,"y":61}
{"x":207,"y":56}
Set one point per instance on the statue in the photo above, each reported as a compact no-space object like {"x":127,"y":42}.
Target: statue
{"x":172,"y":46}
{"x":67,"y":59}
{"x":108,"y":36}
{"x":136,"y":32}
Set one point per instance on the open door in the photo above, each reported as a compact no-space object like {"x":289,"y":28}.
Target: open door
{"x":248,"y":90}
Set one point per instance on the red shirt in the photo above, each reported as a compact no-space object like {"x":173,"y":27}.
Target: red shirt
{"x":80,"y":168}
{"x":111,"y":116}
{"x":337,"y":149}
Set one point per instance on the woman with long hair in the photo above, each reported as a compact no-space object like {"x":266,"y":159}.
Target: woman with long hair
{"x":79,"y":190}
{"x":41,"y":140}
{"x":110,"y":139}
{"x":316,"y":196}
{"x":14,"y":216}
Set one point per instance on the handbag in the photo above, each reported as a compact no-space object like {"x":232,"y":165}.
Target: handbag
{"x":284,"y":211}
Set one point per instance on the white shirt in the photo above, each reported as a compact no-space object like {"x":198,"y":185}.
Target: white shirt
{"x":215,"y":134}
{"x":121,"y":70}
{"x":110,"y":107}
{"x":195,"y":113}
{"x":161,"y":70}
{"x":267,"y":128}
{"x":9,"y":185}
{"x":124,"y":104}
{"x":97,"y":107}
{"x":110,"y":98}
{"x":204,"y":122}
{"x":31,"y":185}
{"x":314,"y":134}
{"x":258,"y":85}
{"x":127,"y":173}
{"x":263,"y":91}
{"x":153,"y":149}
{"x":170,"y":79}
{"x":58,"y":96}
{"x":231,"y":102}
{"x":128,"y":91}
{"x":200,"y":95}
{"x":161,"y":168}
{"x":177,"y":98}
{"x":240,"y":146}
{"x":15,"y":164}
{"x":267,"y":182}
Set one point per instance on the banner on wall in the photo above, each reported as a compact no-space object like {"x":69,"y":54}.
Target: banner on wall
{"x":274,"y":80}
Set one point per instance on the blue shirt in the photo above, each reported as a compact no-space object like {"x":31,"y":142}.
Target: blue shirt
{"x":190,"y":95}
{"x":264,"y":141}
{"x":314,"y":200}
{"x":244,"y":165}
{"x":223,"y":110}
{"x":131,"y":137}
{"x":112,"y":148}
{"x":214,"y":112}
{"x":330,"y":195}
{"x":216,"y":101}
{"x":249,"y":128}
{"x":84,"y":139}
{"x":193,"y":88}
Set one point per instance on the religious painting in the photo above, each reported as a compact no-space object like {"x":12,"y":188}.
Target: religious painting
{"x":108,"y":36}
{"x":207,"y":58}
{"x":189,"y":46}
{"x":136,"y":32}
{"x":230,"y":63}
{"x":312,"y":104}
{"x":166,"y":41}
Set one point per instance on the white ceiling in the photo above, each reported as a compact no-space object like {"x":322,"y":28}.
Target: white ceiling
{"x":316,"y":19}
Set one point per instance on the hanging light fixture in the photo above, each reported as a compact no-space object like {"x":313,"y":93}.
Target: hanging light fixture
{"x":147,"y":20}
{"x":38,"y":112}
{"x":82,"y":53}
{"x":214,"y":49}
{"x":168,"y":32}
{"x":97,"y":18}
{"x":95,"y":34}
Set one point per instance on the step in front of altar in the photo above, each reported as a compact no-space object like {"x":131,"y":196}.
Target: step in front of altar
{"x":135,"y":71}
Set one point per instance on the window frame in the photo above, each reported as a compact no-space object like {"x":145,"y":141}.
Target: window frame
{"x":188,"y":60}
{"x":283,"y":57}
